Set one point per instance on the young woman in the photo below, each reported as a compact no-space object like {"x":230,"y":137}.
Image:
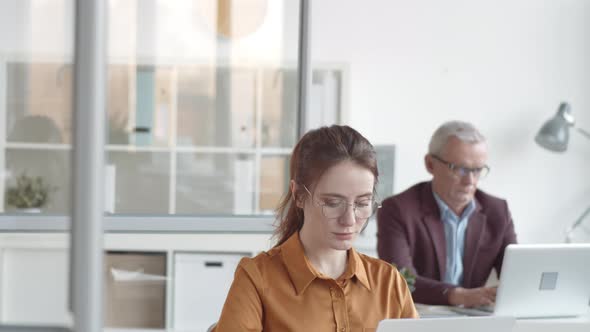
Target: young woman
{"x":313,"y":279}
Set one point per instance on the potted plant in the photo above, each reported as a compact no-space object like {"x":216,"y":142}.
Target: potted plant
{"x":30,"y":193}
{"x":409,"y":276}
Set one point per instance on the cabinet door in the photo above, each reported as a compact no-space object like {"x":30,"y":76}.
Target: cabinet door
{"x":34,"y":286}
{"x":201,"y":283}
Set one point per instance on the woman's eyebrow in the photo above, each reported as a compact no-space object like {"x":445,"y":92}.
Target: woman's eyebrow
{"x":336,"y":195}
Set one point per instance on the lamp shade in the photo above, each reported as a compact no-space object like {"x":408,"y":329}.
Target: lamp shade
{"x":554,"y":135}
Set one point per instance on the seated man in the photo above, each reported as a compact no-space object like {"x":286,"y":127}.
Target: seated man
{"x":447,"y":231}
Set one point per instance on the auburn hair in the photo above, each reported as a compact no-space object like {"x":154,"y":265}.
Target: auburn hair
{"x":316,"y":152}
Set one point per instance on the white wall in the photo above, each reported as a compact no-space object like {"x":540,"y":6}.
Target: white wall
{"x":504,"y":65}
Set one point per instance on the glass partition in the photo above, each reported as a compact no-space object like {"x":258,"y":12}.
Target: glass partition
{"x":201,"y":109}
{"x":199,"y":93}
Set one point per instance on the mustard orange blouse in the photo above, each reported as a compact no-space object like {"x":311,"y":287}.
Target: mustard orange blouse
{"x":279,"y":290}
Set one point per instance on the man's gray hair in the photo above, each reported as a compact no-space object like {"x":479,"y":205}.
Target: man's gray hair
{"x":464,"y":131}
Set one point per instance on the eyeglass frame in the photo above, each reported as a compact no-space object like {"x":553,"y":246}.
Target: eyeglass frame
{"x":476,"y":171}
{"x":375,"y":205}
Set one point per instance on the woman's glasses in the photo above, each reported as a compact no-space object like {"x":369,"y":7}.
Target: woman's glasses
{"x":334,"y":208}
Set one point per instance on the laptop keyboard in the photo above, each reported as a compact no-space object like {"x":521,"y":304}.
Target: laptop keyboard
{"x":477,"y":311}
{"x":487,"y":308}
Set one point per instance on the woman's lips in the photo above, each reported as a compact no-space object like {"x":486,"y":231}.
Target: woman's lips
{"x":344,"y":236}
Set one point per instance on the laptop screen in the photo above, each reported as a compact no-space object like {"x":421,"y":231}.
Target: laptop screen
{"x":544,"y":280}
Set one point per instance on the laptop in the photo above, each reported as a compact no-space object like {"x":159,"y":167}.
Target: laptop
{"x":542,"y":280}
{"x":455,"y":324}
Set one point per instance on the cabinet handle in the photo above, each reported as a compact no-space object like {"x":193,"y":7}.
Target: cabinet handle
{"x":214,"y":264}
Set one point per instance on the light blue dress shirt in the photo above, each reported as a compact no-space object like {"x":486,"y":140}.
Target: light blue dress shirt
{"x":455,"y":228}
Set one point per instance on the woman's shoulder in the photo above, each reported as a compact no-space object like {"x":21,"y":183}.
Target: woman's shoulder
{"x":386,"y":279}
{"x":378,"y":268}
{"x":260,"y":262}
{"x":264,"y":256}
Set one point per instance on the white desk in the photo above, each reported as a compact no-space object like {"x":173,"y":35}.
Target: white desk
{"x":578,"y":324}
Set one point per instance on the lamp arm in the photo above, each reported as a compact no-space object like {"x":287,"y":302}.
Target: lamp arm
{"x":583,"y":132}
{"x":576,"y":224}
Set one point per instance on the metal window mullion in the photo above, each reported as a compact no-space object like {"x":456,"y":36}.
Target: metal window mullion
{"x":86,"y":255}
{"x":304,"y":70}
{"x":37,"y":146}
{"x":173,"y":127}
{"x":3,"y":115}
{"x":258,"y":147}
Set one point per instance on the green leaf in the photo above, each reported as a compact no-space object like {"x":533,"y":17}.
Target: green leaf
{"x":408,"y":275}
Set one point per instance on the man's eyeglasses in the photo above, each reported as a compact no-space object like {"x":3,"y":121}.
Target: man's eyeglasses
{"x":334,"y":208}
{"x":460,"y":171}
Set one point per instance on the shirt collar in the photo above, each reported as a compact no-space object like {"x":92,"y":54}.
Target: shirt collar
{"x":355,"y":264}
{"x":302,"y":273}
{"x":444,"y":208}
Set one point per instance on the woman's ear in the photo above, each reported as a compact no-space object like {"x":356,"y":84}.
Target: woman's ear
{"x":294,"y":188}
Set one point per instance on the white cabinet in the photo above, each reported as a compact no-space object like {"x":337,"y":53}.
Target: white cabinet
{"x":201,"y":283}
{"x":152,"y":281}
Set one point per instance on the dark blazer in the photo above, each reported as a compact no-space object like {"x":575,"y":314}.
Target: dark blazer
{"x":411,"y":234}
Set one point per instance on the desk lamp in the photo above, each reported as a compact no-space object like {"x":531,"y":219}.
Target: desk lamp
{"x":554,"y":136}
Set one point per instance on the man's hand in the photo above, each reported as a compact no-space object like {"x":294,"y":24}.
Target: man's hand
{"x":472,"y":297}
